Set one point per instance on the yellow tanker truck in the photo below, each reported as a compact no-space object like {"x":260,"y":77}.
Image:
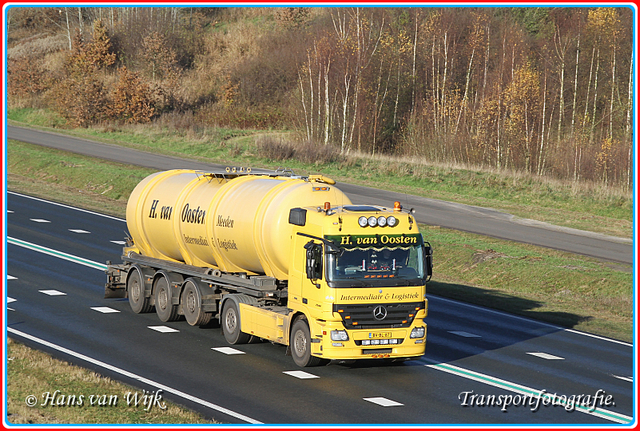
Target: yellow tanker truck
{"x":279,"y":257}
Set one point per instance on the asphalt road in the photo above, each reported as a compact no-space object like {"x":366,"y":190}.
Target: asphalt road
{"x":476,"y":361}
{"x":430,"y":211}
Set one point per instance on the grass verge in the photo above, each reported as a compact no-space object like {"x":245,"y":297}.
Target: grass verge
{"x":548,"y":285}
{"x":585,"y":206}
{"x":84,"y":397}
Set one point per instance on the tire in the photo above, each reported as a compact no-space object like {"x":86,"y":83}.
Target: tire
{"x":166,"y":311}
{"x":300,"y":344}
{"x":135,"y":292}
{"x":230,"y":322}
{"x":192,"y":305}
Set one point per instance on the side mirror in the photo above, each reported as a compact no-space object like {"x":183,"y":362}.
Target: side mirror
{"x":314,"y":260}
{"x":428,"y":260}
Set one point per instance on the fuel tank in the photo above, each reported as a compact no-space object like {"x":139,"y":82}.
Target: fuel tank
{"x":235,"y":223}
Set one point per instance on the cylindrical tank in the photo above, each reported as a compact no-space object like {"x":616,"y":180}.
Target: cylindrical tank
{"x":236,"y":223}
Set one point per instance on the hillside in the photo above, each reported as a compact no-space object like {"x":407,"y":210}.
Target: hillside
{"x":546,"y":91}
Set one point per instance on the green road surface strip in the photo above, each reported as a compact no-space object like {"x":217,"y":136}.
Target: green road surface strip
{"x":56,"y":253}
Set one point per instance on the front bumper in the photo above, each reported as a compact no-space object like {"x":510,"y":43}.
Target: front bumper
{"x":368,"y":344}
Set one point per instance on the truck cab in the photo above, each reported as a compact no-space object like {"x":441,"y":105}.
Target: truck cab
{"x":357,"y":284}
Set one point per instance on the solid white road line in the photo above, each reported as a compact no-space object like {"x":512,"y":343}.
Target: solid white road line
{"x":626,"y":379}
{"x":136,"y":377}
{"x":65,"y":206}
{"x":526,"y":319}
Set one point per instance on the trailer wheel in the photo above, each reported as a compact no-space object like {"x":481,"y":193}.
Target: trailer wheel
{"x":230,"y":323}
{"x":300,"y":344}
{"x":166,"y":311}
{"x":192,"y":305}
{"x":135,"y":291}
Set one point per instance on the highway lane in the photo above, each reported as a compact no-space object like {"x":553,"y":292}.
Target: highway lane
{"x":430,"y":211}
{"x":494,"y":350}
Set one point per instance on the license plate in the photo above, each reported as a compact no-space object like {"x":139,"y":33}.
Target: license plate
{"x":379,"y":335}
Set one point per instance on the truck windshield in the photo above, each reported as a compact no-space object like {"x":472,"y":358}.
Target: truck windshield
{"x":370,"y":267}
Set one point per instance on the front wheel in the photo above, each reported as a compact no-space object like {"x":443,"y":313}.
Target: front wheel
{"x":300,"y":344}
{"x":230,"y":323}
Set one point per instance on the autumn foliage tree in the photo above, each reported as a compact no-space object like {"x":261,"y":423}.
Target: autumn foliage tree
{"x":131,"y":100}
{"x":80,"y":96}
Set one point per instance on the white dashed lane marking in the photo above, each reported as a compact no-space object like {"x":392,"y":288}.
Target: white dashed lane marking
{"x":105,"y":310}
{"x":546,"y":356}
{"x":384,"y":402}
{"x":300,"y":374}
{"x":10,"y":300}
{"x":464,"y":334}
{"x":228,"y":350}
{"x":163,"y":329}
{"x":52,"y":292}
{"x":11,"y":277}
{"x":39,"y":220}
{"x":118,"y":242}
{"x":81,"y":231}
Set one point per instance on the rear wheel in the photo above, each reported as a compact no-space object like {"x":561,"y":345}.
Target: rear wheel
{"x":166,"y":311}
{"x":135,"y":291}
{"x":230,"y":323}
{"x":192,"y":305}
{"x":300,"y":343}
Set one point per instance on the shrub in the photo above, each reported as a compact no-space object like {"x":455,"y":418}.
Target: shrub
{"x":274,"y":148}
{"x":131,"y":100}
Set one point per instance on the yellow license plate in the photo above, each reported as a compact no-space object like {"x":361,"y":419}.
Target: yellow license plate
{"x":379,"y":335}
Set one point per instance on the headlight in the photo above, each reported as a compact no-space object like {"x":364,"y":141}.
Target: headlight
{"x":362,"y":221}
{"x":382,"y":221}
{"x":392,"y":221}
{"x":339,"y":335}
{"x":373,"y":221}
{"x":417,"y":332}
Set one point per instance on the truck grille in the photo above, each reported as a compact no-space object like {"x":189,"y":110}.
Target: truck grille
{"x":372,"y":316}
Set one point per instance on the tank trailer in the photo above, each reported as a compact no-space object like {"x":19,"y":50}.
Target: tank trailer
{"x":279,"y":257}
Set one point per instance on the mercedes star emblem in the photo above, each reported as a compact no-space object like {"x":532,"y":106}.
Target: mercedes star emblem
{"x":379,"y":313}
